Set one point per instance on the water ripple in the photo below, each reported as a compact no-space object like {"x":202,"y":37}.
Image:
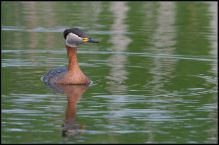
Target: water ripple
{"x":57,"y":29}
{"x":140,"y":54}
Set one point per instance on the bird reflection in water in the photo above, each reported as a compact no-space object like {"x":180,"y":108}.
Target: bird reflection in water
{"x":73,"y":93}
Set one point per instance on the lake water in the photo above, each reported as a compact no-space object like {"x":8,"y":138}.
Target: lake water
{"x":154,"y":73}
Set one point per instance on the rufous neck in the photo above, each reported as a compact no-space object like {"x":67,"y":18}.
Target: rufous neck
{"x":72,"y":57}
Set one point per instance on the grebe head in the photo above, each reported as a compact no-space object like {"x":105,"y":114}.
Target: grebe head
{"x":75,"y":36}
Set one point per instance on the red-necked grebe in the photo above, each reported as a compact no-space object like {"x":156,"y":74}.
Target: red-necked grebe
{"x":72,"y":74}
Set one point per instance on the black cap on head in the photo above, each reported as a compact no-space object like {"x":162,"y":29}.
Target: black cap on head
{"x":76,"y":31}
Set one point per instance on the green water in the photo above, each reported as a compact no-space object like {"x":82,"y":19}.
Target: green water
{"x":154,"y":74}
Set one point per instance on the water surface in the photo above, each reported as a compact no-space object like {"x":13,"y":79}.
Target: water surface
{"x":154,"y":74}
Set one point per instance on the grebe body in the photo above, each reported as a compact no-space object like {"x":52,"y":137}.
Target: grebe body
{"x":71,"y":74}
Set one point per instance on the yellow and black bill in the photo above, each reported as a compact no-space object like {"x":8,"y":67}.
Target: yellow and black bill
{"x":89,"y":40}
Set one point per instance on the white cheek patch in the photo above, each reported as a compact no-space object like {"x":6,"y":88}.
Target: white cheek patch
{"x":73,"y":40}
